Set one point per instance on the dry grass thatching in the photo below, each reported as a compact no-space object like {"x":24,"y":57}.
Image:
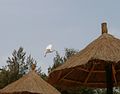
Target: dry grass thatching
{"x":29,"y":84}
{"x":106,"y":47}
{"x":87,"y":68}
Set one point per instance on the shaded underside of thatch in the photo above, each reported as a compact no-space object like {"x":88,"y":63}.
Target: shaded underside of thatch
{"x":92,"y":76}
{"x":87,"y":68}
{"x":30,"y":83}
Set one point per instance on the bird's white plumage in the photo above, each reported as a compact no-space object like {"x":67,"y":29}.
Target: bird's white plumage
{"x":48,"y":49}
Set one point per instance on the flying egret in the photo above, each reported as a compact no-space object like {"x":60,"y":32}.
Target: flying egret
{"x":48,"y":49}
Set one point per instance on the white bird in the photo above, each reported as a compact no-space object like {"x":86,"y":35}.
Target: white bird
{"x":48,"y":49}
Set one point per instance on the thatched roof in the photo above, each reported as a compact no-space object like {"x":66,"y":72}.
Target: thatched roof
{"x":30,"y":83}
{"x":106,"y":47}
{"x":79,"y":69}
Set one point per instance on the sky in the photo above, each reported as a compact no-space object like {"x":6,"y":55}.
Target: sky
{"x":33,"y":24}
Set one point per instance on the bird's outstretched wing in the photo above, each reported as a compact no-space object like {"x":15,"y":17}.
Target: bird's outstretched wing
{"x":49,"y":47}
{"x":48,"y":50}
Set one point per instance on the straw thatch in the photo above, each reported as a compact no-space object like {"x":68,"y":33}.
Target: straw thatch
{"x":87,"y":68}
{"x":29,"y":84}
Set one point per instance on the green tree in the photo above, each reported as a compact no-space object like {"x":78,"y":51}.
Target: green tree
{"x":4,"y":73}
{"x":58,"y":60}
{"x":17,"y":66}
{"x":84,"y":90}
{"x":69,"y":53}
{"x":29,"y":61}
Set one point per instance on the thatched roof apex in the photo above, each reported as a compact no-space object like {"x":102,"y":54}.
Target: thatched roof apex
{"x":30,"y":83}
{"x":106,"y":47}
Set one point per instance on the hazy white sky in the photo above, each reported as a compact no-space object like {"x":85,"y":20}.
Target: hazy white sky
{"x":33,"y":24}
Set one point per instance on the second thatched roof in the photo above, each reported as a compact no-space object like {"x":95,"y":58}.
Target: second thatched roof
{"x":29,"y":84}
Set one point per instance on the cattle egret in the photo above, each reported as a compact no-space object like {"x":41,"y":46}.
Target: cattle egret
{"x":48,"y":50}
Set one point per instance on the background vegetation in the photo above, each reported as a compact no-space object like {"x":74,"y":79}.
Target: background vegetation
{"x":20,"y":64}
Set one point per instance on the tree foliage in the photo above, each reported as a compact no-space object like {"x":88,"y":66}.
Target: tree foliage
{"x":59,"y":60}
{"x":17,"y":66}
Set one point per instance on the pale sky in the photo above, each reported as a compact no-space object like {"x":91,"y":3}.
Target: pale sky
{"x":33,"y":24}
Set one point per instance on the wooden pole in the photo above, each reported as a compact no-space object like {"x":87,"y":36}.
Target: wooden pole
{"x":109,"y":81}
{"x":104,"y":28}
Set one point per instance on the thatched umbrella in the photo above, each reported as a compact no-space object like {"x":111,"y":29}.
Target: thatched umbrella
{"x":93,"y":66}
{"x":29,"y":84}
